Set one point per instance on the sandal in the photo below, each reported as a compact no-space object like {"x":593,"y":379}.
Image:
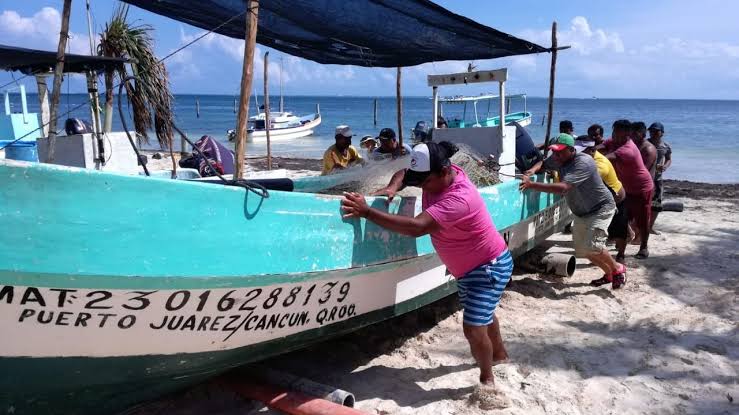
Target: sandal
{"x":619,"y":278}
{"x":642,"y":254}
{"x":605,"y":279}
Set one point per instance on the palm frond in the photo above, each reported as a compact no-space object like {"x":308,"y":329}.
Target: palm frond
{"x":150,"y":97}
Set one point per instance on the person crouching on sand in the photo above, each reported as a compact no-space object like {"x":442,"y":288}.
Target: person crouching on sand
{"x":590,"y":202}
{"x":466,"y":240}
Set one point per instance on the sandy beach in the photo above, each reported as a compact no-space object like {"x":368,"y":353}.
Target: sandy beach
{"x":666,"y":344}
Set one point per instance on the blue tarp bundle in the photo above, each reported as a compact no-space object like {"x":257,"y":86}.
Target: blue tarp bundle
{"x":384,"y":33}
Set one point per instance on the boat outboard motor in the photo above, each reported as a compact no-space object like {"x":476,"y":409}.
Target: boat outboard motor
{"x":77,"y":126}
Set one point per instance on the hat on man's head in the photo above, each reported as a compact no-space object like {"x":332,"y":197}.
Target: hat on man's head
{"x":367,"y":138}
{"x":344,"y":131}
{"x":387,"y":134}
{"x":583,"y":143}
{"x":563,"y":141}
{"x":657,"y":126}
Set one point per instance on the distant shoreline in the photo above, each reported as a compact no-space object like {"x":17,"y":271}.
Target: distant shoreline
{"x":190,"y":94}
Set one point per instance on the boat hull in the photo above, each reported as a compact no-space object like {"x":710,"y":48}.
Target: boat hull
{"x":289,"y":133}
{"x":124,"y":287}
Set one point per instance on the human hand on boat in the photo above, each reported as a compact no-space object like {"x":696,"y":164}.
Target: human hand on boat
{"x":525,"y":183}
{"x":354,"y":205}
{"x":385,"y":191}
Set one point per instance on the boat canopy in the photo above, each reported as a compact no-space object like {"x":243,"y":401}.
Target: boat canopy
{"x":463,"y":98}
{"x":33,"y":61}
{"x":373,"y":33}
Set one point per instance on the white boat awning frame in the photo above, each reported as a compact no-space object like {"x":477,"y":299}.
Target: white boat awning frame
{"x":496,"y":75}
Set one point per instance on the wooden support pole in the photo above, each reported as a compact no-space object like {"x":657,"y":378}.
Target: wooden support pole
{"x":247,"y":76}
{"x":58,"y":73}
{"x":399,"y":99}
{"x":266,"y":111}
{"x":550,"y":110}
{"x":374,"y":112}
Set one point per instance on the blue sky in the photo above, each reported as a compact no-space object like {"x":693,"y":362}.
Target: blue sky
{"x":621,"y":49}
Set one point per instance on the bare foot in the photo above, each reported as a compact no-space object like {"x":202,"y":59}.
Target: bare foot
{"x":500,"y":358}
{"x":655,"y":232}
{"x":487,"y":397}
{"x":642,"y":254}
{"x":497,"y":362}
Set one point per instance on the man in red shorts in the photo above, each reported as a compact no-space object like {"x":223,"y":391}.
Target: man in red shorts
{"x":635,"y":177}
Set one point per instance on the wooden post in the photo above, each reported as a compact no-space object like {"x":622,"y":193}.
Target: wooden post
{"x":247,"y":76}
{"x":197,"y":107}
{"x":58,"y":72}
{"x":374,"y":112}
{"x":282,"y":103}
{"x":399,"y":99}
{"x":235,"y":106}
{"x":550,"y":110}
{"x":266,"y":111}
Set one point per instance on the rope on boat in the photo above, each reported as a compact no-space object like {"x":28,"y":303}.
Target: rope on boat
{"x":253,"y":187}
{"x":125,"y":126}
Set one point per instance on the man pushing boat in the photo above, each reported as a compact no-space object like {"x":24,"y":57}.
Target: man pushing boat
{"x":466,"y":240}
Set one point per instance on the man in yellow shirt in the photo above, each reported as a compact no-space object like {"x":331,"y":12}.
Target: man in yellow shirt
{"x":618,"y":230}
{"x":342,"y":154}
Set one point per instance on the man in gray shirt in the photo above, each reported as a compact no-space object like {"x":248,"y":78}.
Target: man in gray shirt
{"x":589,"y":200}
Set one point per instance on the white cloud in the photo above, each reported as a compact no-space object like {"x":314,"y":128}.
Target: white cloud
{"x":581,"y":36}
{"x":39,"y":31}
{"x":295,"y":69}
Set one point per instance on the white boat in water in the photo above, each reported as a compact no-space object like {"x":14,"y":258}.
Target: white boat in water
{"x":283,"y":126}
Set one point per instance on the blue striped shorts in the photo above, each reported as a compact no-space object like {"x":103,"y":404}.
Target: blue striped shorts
{"x":480,"y":289}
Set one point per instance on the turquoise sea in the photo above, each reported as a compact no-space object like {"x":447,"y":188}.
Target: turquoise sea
{"x":704,"y":134}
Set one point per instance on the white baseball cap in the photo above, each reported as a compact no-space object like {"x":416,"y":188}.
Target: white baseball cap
{"x":420,"y":166}
{"x":344,"y":131}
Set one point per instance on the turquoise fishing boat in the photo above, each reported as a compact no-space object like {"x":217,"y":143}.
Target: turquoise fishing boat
{"x":119,"y":288}
{"x":106,"y":281}
{"x":523,"y":118}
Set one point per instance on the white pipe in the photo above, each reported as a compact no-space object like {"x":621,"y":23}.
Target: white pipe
{"x":502,"y":108}
{"x":562,"y":265}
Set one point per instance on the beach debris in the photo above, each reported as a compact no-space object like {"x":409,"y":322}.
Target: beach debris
{"x":156,"y":156}
{"x":730,"y":398}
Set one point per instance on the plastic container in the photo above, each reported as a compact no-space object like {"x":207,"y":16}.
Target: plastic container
{"x":22,"y":150}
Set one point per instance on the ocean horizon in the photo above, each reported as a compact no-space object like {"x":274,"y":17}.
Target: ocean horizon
{"x":702,"y":132}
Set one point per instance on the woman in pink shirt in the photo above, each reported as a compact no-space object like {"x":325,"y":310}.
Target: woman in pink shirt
{"x":464,"y":236}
